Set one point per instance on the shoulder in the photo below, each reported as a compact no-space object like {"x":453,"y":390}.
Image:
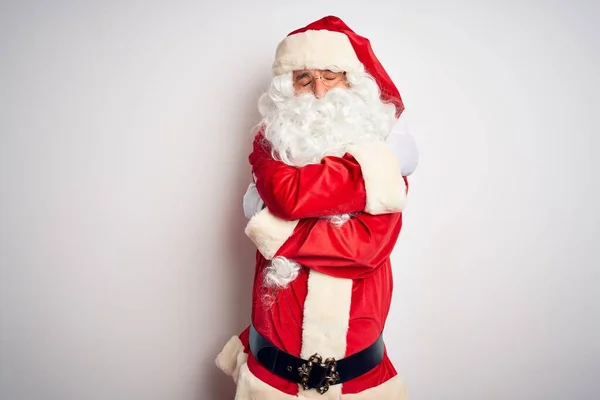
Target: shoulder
{"x":261,"y":149}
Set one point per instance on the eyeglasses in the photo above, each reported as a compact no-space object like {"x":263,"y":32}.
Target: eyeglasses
{"x":329,"y":79}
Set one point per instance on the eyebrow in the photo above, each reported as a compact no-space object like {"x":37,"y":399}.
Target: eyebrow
{"x":302,"y":75}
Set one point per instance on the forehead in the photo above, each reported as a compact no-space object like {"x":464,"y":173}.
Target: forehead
{"x":315,"y":72}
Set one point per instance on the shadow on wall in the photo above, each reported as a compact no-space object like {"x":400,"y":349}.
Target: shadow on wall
{"x":240,"y":262}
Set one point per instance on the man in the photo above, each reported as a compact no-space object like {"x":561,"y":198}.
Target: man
{"x":325,"y":212}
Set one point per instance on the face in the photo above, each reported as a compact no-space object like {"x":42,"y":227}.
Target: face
{"x":318,"y":81}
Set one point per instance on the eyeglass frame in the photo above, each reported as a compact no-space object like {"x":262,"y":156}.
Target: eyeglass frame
{"x":329,"y":83}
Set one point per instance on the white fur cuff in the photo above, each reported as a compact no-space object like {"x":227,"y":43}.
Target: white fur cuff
{"x":385,"y":186}
{"x":232,"y":357}
{"x":268,"y":232}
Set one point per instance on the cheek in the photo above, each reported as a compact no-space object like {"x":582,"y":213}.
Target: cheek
{"x":298,"y":90}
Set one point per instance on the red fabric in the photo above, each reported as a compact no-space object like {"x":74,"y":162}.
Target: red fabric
{"x":364,"y":52}
{"x":334,"y":186}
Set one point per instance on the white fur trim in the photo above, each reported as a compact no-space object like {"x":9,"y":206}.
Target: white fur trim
{"x":325,"y":325}
{"x":232,"y":357}
{"x":314,"y":49}
{"x":251,"y":388}
{"x":269,"y":232}
{"x":385,"y":186}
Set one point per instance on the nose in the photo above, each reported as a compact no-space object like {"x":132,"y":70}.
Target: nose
{"x":320,"y":89}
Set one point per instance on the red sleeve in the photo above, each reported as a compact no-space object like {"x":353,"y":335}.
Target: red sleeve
{"x":354,"y":250}
{"x":334,"y":186}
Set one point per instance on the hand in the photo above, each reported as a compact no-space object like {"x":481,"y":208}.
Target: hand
{"x":404,"y":146}
{"x":252,"y":201}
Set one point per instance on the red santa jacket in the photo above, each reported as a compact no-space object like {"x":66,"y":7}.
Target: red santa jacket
{"x":339,"y":303}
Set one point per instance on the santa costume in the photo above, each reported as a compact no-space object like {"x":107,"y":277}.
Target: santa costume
{"x":318,"y":335}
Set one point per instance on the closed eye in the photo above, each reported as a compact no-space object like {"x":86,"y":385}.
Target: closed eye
{"x":304,"y":79}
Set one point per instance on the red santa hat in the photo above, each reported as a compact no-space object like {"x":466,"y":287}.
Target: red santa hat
{"x":329,"y":43}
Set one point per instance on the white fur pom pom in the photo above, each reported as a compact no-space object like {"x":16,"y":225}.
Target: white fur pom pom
{"x":280,"y":272}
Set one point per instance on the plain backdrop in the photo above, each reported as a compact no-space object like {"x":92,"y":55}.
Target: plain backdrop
{"x":125,"y":129}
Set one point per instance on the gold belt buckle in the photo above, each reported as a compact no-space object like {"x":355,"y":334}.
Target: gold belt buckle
{"x":331,"y":375}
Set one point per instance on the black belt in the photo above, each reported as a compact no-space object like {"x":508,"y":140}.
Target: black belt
{"x":314,"y":373}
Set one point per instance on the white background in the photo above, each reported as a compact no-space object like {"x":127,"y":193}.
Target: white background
{"x":125,"y":130}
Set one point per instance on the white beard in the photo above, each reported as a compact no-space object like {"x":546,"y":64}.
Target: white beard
{"x":301,"y":130}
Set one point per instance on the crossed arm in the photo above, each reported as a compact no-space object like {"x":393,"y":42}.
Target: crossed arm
{"x":367,"y":178}
{"x":354,"y":250}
